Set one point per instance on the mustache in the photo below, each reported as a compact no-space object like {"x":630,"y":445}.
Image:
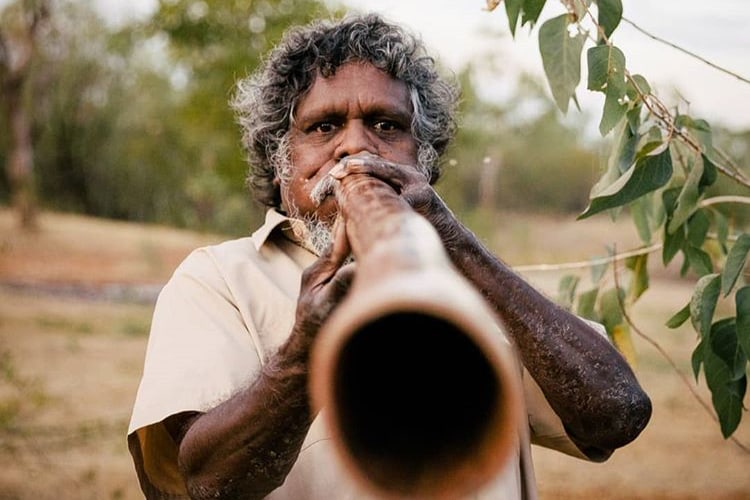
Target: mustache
{"x":325,"y":187}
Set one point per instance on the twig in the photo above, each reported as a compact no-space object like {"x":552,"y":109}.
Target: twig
{"x":685,"y":51}
{"x":588,"y":263}
{"x":671,"y":362}
{"x":715,"y":200}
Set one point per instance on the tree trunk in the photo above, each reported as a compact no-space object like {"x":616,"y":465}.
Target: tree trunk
{"x":19,"y":165}
{"x":16,"y":52}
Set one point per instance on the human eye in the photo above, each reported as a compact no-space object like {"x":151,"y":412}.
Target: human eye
{"x":322,"y":127}
{"x":387,"y":126}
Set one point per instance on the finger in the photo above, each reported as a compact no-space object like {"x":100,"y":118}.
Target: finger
{"x":322,"y":270}
{"x":342,"y":281}
{"x":395,"y":174}
{"x":339,"y":249}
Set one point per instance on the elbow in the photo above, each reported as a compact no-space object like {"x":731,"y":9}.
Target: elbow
{"x":632,"y":415}
{"x":618,"y":424}
{"x":207,"y":478}
{"x":200,"y":485}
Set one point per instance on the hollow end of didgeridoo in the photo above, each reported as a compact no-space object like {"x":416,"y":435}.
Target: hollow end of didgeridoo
{"x":419,"y":403}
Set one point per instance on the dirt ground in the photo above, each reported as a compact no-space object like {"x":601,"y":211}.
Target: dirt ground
{"x":70,"y":361}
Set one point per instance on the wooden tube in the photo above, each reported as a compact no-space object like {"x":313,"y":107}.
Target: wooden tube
{"x":418,"y":387}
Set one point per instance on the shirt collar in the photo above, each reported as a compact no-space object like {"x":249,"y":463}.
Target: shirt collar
{"x":294,"y":229}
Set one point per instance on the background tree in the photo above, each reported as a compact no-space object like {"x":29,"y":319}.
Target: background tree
{"x":19,"y":30}
{"x":134,"y":122}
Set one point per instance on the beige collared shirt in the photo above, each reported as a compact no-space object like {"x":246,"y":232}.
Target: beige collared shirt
{"x":225,"y":310}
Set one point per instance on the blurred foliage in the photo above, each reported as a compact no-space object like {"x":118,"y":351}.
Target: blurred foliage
{"x":133,"y":122}
{"x":517,"y":155}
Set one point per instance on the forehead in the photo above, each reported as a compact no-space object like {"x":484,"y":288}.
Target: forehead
{"x":355,"y":84}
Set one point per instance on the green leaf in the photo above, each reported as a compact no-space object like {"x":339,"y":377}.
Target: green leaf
{"x":687,"y":202}
{"x":673,"y":242}
{"x":598,"y":270}
{"x":654,"y":144}
{"x":699,"y":260}
{"x":679,"y":317}
{"x":579,"y":8}
{"x":724,"y":344}
{"x":531,"y":11}
{"x":685,"y":267}
{"x":614,"y":109}
{"x":512,"y":10}
{"x":623,"y":152}
{"x":566,"y":290}
{"x":639,"y":212}
{"x":727,"y":401}
{"x":699,"y":128}
{"x":605,"y":62}
{"x":742,"y":304}
{"x":639,"y":282}
{"x":696,"y":360}
{"x":669,"y":200}
{"x":710,"y":173}
{"x":724,"y":366}
{"x":634,"y":118}
{"x":606,"y":73}
{"x":703,"y":303}
{"x":637,"y":85}
{"x":609,"y":15}
{"x":610,"y":311}
{"x":722,"y":229}
{"x":587,"y":304}
{"x":561,"y":58}
{"x":697,"y":228}
{"x":648,"y":174}
{"x":735,"y":263}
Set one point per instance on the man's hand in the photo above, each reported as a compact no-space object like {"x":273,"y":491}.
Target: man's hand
{"x":324,"y":284}
{"x":412,"y":184}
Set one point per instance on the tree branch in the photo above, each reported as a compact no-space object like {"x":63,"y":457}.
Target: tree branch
{"x":685,"y":51}
{"x":588,"y":263}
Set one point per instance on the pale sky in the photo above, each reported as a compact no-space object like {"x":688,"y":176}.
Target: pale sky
{"x":718,"y":31}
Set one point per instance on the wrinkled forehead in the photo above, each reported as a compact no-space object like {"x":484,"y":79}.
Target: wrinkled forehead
{"x":354,"y":83}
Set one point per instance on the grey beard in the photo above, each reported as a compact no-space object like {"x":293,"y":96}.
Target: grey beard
{"x":319,"y":236}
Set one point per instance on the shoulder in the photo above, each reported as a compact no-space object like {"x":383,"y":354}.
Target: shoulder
{"x":217,"y":256}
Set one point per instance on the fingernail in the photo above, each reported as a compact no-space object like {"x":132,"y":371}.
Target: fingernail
{"x":355,"y":162}
{"x":337,"y":172}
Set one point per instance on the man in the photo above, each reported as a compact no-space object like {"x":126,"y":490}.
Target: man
{"x":223,"y":410}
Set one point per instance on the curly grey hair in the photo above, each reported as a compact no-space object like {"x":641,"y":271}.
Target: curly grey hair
{"x":265,"y":101}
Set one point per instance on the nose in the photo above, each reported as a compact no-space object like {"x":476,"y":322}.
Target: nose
{"x":355,"y":138}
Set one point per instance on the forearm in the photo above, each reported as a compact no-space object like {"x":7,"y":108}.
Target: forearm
{"x":245,"y":447}
{"x":586,"y":381}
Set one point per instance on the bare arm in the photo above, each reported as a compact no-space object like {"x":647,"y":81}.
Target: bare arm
{"x":245,"y":447}
{"x":586,"y":381}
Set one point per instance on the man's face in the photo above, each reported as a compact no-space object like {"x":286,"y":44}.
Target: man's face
{"x":360,"y":109}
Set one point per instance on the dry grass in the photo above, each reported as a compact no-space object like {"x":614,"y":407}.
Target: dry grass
{"x":69,"y":368}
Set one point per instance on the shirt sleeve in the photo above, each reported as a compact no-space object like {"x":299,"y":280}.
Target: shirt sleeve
{"x":200,"y":351}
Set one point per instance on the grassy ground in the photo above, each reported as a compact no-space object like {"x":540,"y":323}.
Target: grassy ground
{"x":69,"y":366}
